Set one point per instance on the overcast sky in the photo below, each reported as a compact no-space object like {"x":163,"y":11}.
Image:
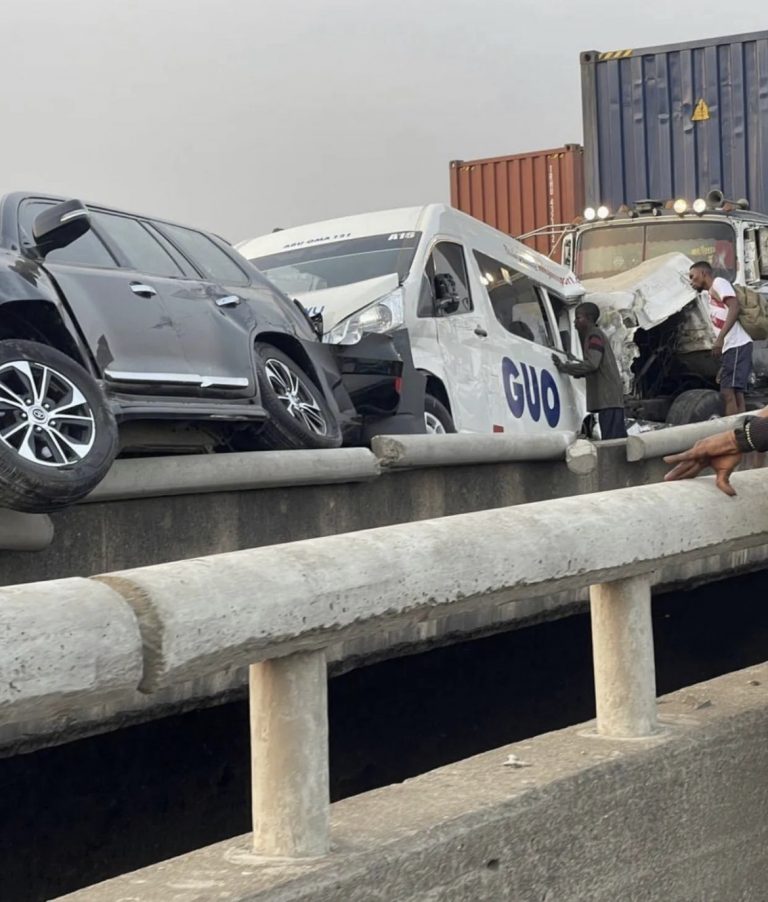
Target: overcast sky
{"x":241,"y":115}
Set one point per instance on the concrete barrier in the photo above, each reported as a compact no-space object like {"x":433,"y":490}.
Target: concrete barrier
{"x":107,"y":535}
{"x":65,"y":644}
{"x":203,"y":615}
{"x":581,"y":457}
{"x":24,"y":532}
{"x":661,"y":442}
{"x":575,"y":817}
{"x":290,"y":602}
{"x":201,"y":473}
{"x":462,"y":448}
{"x":117,"y":535}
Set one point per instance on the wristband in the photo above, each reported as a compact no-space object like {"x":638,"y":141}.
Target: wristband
{"x":743,"y":436}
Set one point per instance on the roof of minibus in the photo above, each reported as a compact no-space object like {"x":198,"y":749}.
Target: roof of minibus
{"x":440,"y":220}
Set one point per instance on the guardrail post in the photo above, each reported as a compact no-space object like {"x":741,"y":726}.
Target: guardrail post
{"x":622,"y":650}
{"x":289,"y":756}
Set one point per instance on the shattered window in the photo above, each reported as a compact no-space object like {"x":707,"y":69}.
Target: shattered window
{"x":516,"y":301}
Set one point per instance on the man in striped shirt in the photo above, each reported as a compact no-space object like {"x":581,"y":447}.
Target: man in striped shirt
{"x":732,"y":344}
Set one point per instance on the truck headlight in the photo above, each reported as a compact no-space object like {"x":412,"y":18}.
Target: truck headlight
{"x":383,"y":315}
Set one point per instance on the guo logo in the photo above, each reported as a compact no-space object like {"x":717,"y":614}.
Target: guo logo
{"x":535,"y":392}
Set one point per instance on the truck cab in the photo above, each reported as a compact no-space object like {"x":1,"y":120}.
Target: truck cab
{"x":673,"y":359}
{"x":732,"y":238}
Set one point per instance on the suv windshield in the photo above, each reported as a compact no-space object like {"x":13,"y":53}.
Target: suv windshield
{"x":337,"y":263}
{"x":608,"y":250}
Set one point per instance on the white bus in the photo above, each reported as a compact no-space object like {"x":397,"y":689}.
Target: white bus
{"x":484,"y":312}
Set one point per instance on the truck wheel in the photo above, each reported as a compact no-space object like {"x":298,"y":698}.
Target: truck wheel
{"x":58,"y":437}
{"x":437,"y":419}
{"x":695,"y":406}
{"x":299,"y":416}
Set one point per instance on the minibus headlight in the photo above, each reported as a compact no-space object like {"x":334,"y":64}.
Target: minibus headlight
{"x":384,"y":315}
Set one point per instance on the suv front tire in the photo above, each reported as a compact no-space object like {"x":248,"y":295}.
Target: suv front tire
{"x":299,"y":416}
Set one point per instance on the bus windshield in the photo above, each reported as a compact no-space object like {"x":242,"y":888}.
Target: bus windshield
{"x":337,"y":263}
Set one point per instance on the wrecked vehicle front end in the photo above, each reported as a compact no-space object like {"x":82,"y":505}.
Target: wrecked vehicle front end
{"x":660,"y":332}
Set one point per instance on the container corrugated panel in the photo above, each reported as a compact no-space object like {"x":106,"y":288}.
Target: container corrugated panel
{"x":677,"y":121}
{"x":523,"y":192}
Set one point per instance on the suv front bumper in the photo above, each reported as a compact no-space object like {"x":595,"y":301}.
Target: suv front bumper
{"x":385,"y":387}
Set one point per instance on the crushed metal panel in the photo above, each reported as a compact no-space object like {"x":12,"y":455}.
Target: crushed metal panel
{"x":645,"y":297}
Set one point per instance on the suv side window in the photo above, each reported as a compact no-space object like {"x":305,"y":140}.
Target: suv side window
{"x":210,"y":259}
{"x":516,"y":301}
{"x":179,"y":259}
{"x":87,"y":250}
{"x":446,"y":267}
{"x":139,"y":247}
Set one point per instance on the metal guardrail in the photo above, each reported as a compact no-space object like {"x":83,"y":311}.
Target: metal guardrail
{"x":69,"y":643}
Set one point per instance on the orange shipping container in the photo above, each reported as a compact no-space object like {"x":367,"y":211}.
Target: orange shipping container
{"x":520,"y":193}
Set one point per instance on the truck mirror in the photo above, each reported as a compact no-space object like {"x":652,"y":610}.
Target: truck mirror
{"x":568,"y":250}
{"x":763,"y":253}
{"x":751,"y":263}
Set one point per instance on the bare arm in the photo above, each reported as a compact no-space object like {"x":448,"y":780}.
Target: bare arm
{"x":722,"y":452}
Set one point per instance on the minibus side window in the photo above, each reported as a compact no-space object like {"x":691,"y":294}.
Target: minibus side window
{"x":516,"y":301}
{"x":445,"y":286}
{"x":560,"y":310}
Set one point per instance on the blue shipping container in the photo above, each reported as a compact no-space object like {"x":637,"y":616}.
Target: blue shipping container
{"x":677,"y":121}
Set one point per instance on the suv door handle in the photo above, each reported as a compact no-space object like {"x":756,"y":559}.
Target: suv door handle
{"x":481,"y":332}
{"x":144,"y":291}
{"x":231,"y":300}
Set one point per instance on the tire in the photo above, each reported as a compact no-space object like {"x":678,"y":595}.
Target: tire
{"x":437,"y":419}
{"x":299,"y":415}
{"x":48,"y":462}
{"x":695,"y":406}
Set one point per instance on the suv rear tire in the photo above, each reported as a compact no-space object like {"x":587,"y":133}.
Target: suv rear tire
{"x":695,"y":406}
{"x":58,"y":436}
{"x":299,"y":416}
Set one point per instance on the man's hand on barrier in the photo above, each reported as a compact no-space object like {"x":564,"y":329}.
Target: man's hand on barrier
{"x":718,"y":452}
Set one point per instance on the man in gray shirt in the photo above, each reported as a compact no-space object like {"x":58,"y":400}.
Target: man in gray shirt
{"x":605,"y":390}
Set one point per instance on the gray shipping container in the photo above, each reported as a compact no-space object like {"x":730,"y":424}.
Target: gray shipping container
{"x":677,"y":121}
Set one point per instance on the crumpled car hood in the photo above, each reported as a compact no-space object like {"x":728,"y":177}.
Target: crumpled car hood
{"x":645,"y":297}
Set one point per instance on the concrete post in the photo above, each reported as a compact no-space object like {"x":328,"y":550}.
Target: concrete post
{"x":289,"y":756}
{"x":622,"y":651}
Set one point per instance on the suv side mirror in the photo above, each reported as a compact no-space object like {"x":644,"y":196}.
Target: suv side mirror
{"x":446,"y":296}
{"x":60,"y":225}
